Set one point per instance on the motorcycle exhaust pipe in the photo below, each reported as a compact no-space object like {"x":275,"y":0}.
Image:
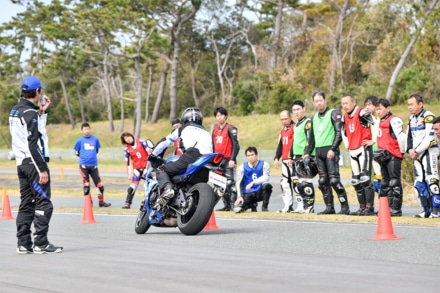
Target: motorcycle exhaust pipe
{"x":170,"y":222}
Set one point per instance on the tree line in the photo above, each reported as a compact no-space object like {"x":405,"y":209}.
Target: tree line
{"x":150,"y":59}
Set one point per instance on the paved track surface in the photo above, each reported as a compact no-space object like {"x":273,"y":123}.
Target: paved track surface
{"x":245,"y":255}
{"x":73,"y":181}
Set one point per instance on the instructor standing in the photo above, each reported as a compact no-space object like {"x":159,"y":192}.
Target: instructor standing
{"x":27,"y":124}
{"x":225,"y":140}
{"x":326,"y":139}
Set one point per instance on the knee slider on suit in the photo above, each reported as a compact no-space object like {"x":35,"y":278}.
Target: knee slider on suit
{"x":434,"y":187}
{"x":336,"y":184}
{"x":323,"y":181}
{"x":86,"y":190}
{"x":385,"y":186}
{"x":285,"y":184}
{"x":357,"y":185}
{"x":130,"y":190}
{"x":306,"y":188}
{"x":395,"y":187}
{"x":232,"y":188}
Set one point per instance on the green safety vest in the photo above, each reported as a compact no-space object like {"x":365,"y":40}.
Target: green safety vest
{"x":323,"y":129}
{"x":300,"y":138}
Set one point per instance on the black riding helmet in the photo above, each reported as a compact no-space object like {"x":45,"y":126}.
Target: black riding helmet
{"x":192,"y":115}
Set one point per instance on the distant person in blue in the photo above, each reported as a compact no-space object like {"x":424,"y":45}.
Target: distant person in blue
{"x":86,"y":148}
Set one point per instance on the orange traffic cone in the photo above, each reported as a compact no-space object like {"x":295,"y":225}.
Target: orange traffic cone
{"x":384,"y":225}
{"x":211,"y":225}
{"x":6,"y":208}
{"x":88,"y":217}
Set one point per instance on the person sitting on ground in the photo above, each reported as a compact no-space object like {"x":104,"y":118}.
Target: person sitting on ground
{"x":253,"y":182}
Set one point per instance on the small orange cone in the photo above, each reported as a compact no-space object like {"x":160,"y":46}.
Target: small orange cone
{"x":211,"y":225}
{"x":6,"y":208}
{"x":88,"y":217}
{"x":384,"y":225}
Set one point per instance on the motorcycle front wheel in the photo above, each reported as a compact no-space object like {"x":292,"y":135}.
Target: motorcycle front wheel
{"x":142,"y":223}
{"x":200,"y":202}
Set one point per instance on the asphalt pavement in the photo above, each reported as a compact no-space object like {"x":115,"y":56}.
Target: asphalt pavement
{"x":243,"y":255}
{"x":72,"y":181}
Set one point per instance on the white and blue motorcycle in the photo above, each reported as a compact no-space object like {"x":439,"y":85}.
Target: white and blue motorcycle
{"x":196,"y":191}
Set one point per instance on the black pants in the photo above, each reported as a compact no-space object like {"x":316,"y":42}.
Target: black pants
{"x":361,"y":165}
{"x":35,"y":206}
{"x":391,"y":184}
{"x":230,"y":196}
{"x":87,"y":172}
{"x":329,"y":177}
{"x":177,"y":167}
{"x":249,"y":199}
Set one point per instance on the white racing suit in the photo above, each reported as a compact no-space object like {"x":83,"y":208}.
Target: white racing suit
{"x":287,"y":185}
{"x":421,"y":139}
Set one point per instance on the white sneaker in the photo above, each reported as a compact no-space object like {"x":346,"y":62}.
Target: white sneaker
{"x":309,"y":210}
{"x":49,"y":248}
{"x":421,"y":215}
{"x":285,"y":210}
{"x":24,"y":250}
{"x":238,"y":209}
{"x":432,"y":215}
{"x":299,"y":211}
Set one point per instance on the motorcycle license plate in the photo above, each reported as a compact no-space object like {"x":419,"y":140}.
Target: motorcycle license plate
{"x":217,"y":179}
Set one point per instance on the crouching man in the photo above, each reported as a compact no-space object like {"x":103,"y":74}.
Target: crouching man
{"x":253,"y":183}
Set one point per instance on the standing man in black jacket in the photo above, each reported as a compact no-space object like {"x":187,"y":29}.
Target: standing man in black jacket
{"x":326,"y":139}
{"x":225,"y":140}
{"x":27,"y":124}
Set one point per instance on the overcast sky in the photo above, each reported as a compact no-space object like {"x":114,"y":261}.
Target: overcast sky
{"x":9,"y":10}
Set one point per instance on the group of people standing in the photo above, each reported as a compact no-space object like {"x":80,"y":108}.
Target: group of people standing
{"x":373,"y":136}
{"x":376,"y":143}
{"x":309,"y":147}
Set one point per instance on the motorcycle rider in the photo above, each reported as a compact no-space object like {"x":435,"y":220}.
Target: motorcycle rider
{"x":195,"y":141}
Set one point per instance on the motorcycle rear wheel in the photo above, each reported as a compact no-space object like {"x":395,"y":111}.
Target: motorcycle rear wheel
{"x":202,"y":200}
{"x":142,"y":223}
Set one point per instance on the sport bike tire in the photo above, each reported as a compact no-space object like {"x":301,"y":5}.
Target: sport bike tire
{"x":198,"y":216}
{"x":142,"y":223}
